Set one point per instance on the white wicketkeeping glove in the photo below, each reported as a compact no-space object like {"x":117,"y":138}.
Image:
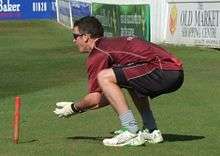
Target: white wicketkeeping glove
{"x":64,"y":109}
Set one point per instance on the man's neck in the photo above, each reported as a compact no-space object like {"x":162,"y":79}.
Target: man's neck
{"x":93,"y":43}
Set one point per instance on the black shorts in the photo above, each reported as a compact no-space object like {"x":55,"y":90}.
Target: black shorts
{"x":153,"y":84}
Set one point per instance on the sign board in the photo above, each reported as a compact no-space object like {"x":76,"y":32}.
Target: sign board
{"x":27,"y":9}
{"x":124,"y":20}
{"x":134,"y":21}
{"x":106,"y":13}
{"x":80,"y":9}
{"x":194,"y":23}
{"x":64,"y":13}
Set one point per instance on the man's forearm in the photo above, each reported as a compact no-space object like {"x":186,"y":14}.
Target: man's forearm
{"x":91,"y":101}
{"x":84,"y":104}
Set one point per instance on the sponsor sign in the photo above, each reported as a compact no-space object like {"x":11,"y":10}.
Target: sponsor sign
{"x":64,"y":13}
{"x":134,"y":21}
{"x":27,"y":9}
{"x":80,"y":9}
{"x":106,"y":14}
{"x":194,"y":24}
{"x":124,"y":20}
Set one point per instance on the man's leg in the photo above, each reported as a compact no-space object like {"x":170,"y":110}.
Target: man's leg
{"x":143,"y":107}
{"x":150,"y":133}
{"x":108,"y":83}
{"x":114,"y":94}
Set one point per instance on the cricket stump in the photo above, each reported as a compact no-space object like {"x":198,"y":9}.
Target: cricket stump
{"x":16,"y":120}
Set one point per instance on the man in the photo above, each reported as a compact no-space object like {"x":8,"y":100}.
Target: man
{"x":143,"y":68}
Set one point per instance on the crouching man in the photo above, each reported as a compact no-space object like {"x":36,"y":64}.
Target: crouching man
{"x":145,"y":69}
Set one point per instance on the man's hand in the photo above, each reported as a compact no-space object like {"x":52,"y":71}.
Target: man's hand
{"x":64,"y":109}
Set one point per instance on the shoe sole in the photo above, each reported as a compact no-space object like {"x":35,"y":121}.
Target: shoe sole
{"x":154,"y":142}
{"x":124,"y":144}
{"x":129,"y":143}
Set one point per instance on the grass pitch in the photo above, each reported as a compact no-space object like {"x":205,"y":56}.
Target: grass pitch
{"x":39,"y":63}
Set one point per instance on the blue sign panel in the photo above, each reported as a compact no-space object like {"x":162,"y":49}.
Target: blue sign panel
{"x":80,"y":9}
{"x":27,"y":9}
{"x":64,"y":8}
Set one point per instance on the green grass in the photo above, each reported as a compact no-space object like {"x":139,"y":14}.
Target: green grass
{"x":39,"y":63}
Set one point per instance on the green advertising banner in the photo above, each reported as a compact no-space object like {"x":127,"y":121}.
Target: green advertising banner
{"x":124,"y":20}
{"x":134,"y":20}
{"x":107,"y":16}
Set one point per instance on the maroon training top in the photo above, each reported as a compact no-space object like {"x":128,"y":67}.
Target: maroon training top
{"x":109,"y":52}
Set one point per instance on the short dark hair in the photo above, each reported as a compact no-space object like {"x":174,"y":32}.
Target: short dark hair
{"x":90,"y":25}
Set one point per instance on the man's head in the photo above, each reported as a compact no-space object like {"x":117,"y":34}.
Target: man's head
{"x":85,"y":31}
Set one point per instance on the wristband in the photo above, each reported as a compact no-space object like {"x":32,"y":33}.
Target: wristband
{"x":74,"y":109}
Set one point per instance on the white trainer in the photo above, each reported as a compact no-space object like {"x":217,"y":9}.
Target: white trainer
{"x":125,"y":138}
{"x":137,"y":141}
{"x":154,"y":137}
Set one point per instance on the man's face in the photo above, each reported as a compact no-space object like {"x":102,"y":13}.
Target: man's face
{"x":81,"y":40}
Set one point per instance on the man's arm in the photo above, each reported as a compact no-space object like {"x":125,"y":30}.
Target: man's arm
{"x":91,"y":101}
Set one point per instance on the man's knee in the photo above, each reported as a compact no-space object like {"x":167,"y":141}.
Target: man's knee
{"x":106,"y":75}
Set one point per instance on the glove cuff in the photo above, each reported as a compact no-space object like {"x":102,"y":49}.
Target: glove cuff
{"x":74,"y":109}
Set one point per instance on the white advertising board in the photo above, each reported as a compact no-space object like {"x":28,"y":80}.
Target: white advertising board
{"x":195,"y":23}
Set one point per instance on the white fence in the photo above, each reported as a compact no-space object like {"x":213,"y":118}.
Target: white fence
{"x":190,"y":22}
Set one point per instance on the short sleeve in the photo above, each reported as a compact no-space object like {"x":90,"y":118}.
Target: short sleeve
{"x":96,"y":63}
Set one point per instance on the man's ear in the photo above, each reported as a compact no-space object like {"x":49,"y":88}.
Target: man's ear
{"x":86,"y":37}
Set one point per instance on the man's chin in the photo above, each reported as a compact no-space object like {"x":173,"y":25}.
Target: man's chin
{"x":82,"y":50}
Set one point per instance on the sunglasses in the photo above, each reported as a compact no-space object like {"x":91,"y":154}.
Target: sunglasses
{"x":75,"y":36}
